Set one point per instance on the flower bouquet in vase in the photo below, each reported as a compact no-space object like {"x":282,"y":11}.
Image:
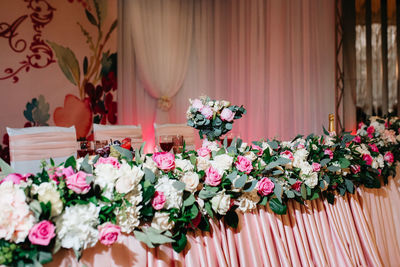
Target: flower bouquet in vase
{"x":213,"y":118}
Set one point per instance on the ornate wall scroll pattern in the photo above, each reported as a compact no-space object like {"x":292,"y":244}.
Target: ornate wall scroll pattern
{"x":40,"y":54}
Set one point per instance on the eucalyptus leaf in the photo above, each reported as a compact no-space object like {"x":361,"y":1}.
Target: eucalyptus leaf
{"x":85,"y":165}
{"x":248,"y":187}
{"x":303,"y":191}
{"x":149,"y":175}
{"x":189,"y":201}
{"x":239,"y":183}
{"x":290,"y":194}
{"x":324,"y":162}
{"x":204,"y":194}
{"x":232,"y":176}
{"x":273,"y":144}
{"x":278,"y":191}
{"x":180,"y":186}
{"x":144,"y":238}
{"x":334,"y":168}
{"x":125,"y":153}
{"x":5,"y":168}
{"x":159,"y":238}
{"x":349,"y":185}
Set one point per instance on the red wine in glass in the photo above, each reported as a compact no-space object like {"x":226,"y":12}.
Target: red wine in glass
{"x":166,"y":146}
{"x":229,"y":141}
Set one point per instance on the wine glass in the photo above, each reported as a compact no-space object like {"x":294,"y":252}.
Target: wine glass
{"x":230,"y":136}
{"x":178,"y":143}
{"x":166,"y":142}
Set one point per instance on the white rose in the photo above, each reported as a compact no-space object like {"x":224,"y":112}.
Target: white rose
{"x":242,"y":147}
{"x":265,"y":145}
{"x":129,"y":178}
{"x":213,"y":146}
{"x":161,"y":221}
{"x":191,"y":180}
{"x":225,"y":103}
{"x":250,"y":156}
{"x":173,"y":197}
{"x":312,"y":180}
{"x":150,"y":164}
{"x":184,"y":164}
{"x":221,"y":203}
{"x":202,"y":164}
{"x":47,"y":192}
{"x":222,"y":162}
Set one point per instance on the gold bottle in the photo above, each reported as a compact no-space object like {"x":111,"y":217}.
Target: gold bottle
{"x":331,"y":123}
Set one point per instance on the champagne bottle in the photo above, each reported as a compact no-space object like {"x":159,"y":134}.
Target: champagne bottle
{"x":331,"y":127}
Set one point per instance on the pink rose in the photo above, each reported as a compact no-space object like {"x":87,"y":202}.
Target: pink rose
{"x":164,"y":160}
{"x":360,"y":125}
{"x":213,"y":177}
{"x":42,"y":233}
{"x":243,"y":164}
{"x":316,"y":167}
{"x":108,"y":233}
{"x":158,"y":201}
{"x":77,"y":183}
{"x":367,"y":158}
{"x":16,"y":178}
{"x":255,"y":147}
{"x":207,"y":112}
{"x":197,"y":104}
{"x":287,"y":154}
{"x":370,"y":131}
{"x":265,"y":186}
{"x":388,"y":157}
{"x":357,"y":139}
{"x":329,"y":153}
{"x":296,"y":186}
{"x":67,"y":171}
{"x":109,"y":160}
{"x":227,"y":114}
{"x":203,"y":152}
{"x":374,"y":148}
{"x":355,"y":168}
{"x":300,"y":146}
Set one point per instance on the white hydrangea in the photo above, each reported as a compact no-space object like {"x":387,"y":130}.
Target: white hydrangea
{"x":173,"y":197}
{"x":161,"y":221}
{"x":47,"y":192}
{"x":128,"y":215}
{"x":128,"y":178}
{"x":77,"y":226}
{"x":106,"y":175}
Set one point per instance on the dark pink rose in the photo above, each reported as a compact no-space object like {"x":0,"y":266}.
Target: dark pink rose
{"x":287,"y":154}
{"x":16,"y":178}
{"x":207,"y":112}
{"x":77,"y":183}
{"x":227,"y":115}
{"x":360,"y":125}
{"x":203,"y":152}
{"x":243,"y":164}
{"x":255,"y":147}
{"x":374,"y":148}
{"x":316,"y":167}
{"x":357,"y":139}
{"x":109,"y":160}
{"x":329,"y":153}
{"x":213,"y":177}
{"x":367,"y":158}
{"x":158,"y":201}
{"x":265,"y":186}
{"x":355,"y":168}
{"x":388,"y":157}
{"x":370,"y":131}
{"x":296,"y":186}
{"x":42,"y":233}
{"x":108,"y":233}
{"x":164,"y":160}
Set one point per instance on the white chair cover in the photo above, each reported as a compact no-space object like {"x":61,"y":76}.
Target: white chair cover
{"x":118,"y":132}
{"x":28,"y":146}
{"x":176,"y":129}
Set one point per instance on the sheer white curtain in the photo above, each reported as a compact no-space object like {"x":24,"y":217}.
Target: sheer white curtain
{"x":277,"y":58}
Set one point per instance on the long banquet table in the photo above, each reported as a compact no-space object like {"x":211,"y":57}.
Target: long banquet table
{"x":359,"y":230}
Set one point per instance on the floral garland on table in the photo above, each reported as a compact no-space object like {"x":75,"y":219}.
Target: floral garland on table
{"x":160,"y":197}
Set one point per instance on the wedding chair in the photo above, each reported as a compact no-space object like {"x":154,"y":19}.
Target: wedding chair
{"x":186,"y":131}
{"x":118,"y":132}
{"x":28,"y":146}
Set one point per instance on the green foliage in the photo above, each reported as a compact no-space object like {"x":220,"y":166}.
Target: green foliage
{"x":37,"y":111}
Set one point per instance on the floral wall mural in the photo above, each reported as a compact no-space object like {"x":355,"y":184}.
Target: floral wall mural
{"x":59,"y":64}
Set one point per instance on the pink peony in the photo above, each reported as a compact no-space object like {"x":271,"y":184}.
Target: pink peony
{"x":164,"y":160}
{"x":329,"y":153}
{"x":357,"y":139}
{"x":388,"y":157}
{"x":16,"y":178}
{"x":197,"y":104}
{"x":213,"y":177}
{"x":203,"y":152}
{"x":355,"y":168}
{"x":255,"y":147}
{"x":67,"y":171}
{"x":108,"y":233}
{"x":367,"y":158}
{"x":287,"y":154}
{"x":109,"y":160}
{"x":207,"y":112}
{"x":243,"y":164}
{"x":316,"y":167}
{"x":265,"y":186}
{"x":374,"y":148}
{"x":370,"y":131}
{"x":296,"y":186}
{"x":227,"y":114}
{"x":158,"y":201}
{"x":77,"y":183}
{"x":42,"y":233}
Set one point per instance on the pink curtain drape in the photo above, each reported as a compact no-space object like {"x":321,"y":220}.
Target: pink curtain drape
{"x":359,"y":230}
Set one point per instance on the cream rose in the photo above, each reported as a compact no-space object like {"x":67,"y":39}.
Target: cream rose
{"x":221,"y":203}
{"x":191,"y":180}
{"x":47,"y":192}
{"x":222,"y":163}
{"x":161,"y":221}
{"x":184,"y":164}
{"x":129,"y":178}
{"x":202,"y":164}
